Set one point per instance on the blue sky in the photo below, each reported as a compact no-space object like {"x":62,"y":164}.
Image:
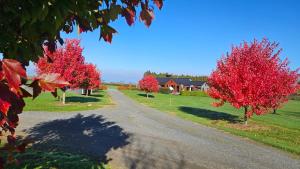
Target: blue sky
{"x":187,"y":37}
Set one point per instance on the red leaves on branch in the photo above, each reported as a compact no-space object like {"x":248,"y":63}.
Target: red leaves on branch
{"x":149,"y":84}
{"x":129,"y":12}
{"x":13,"y":71}
{"x":253,"y":76}
{"x":158,"y":3}
{"x":47,"y":82}
{"x":107,"y":33}
{"x":51,"y":81}
{"x":4,"y":106}
{"x":129,"y":15}
{"x":147,"y":16}
{"x":12,"y":92}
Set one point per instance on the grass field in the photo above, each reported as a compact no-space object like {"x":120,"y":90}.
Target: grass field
{"x":33,"y":159}
{"x":281,"y":130}
{"x":74,"y":102}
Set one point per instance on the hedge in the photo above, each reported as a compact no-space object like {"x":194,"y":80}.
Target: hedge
{"x":103,"y":87}
{"x":164,"y":90}
{"x":127,"y":87}
{"x":294,"y":97}
{"x":194,"y":93}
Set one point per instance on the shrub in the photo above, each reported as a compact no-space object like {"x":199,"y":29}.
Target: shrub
{"x":194,"y":93}
{"x":103,"y":87}
{"x":127,"y":87}
{"x":294,"y":97}
{"x":164,"y":90}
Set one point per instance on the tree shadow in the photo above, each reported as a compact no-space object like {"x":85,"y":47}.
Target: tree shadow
{"x":211,"y":115}
{"x":139,"y":156}
{"x":91,"y":136}
{"x":81,"y":99}
{"x":145,"y":95}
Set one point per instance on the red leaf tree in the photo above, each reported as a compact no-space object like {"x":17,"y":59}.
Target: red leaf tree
{"x":252,"y":76}
{"x":91,"y":78}
{"x":67,"y":61}
{"x":148,"y":84}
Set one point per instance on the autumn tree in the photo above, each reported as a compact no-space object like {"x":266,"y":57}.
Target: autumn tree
{"x":92,"y":78}
{"x":149,"y":84}
{"x":27,"y":27}
{"x":67,"y":61}
{"x":252,"y":77}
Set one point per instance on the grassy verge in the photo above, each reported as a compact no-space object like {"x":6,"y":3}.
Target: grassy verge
{"x":281,"y":130}
{"x":74,"y":102}
{"x":54,"y":160}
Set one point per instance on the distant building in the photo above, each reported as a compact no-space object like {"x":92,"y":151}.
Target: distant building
{"x":182,"y":84}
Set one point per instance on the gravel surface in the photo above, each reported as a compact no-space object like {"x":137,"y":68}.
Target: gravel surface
{"x":130,"y":135}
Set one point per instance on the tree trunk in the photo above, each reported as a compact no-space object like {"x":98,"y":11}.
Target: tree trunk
{"x":64,"y":97}
{"x":245,"y":116}
{"x":274,"y":111}
{"x":147,"y":95}
{"x":87,"y":92}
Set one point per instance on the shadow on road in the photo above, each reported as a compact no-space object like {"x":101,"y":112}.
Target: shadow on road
{"x":138,"y":155}
{"x":92,"y":136}
{"x":211,"y":115}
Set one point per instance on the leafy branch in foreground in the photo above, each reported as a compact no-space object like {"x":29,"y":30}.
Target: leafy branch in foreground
{"x":29,"y":24}
{"x":12,"y":92}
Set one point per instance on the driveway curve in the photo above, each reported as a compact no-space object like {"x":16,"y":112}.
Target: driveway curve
{"x":130,"y":135}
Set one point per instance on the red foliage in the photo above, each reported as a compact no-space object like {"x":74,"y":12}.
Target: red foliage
{"x":67,"y":61}
{"x":149,"y":84}
{"x":253,"y":76}
{"x":92,"y":77}
{"x":12,"y":92}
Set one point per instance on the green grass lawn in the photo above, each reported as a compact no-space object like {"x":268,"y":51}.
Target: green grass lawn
{"x":280,"y":130}
{"x":32,"y":159}
{"x":74,"y":102}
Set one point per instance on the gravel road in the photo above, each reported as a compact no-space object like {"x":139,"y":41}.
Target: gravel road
{"x":130,"y":135}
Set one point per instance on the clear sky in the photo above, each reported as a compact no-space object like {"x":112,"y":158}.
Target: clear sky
{"x":187,"y":37}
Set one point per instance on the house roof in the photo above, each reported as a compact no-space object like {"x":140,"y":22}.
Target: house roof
{"x":183,"y":81}
{"x":197,"y":83}
{"x":179,"y":81}
{"x":162,"y":80}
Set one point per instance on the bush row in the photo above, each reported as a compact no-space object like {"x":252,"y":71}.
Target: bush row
{"x":127,"y":87}
{"x":164,"y":90}
{"x":103,"y":87}
{"x":294,"y":97}
{"x":194,"y":93}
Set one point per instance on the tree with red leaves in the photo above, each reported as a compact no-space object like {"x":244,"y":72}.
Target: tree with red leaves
{"x":67,"y":61}
{"x":92,"y":78}
{"x":148,"y":84}
{"x":252,"y":76}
